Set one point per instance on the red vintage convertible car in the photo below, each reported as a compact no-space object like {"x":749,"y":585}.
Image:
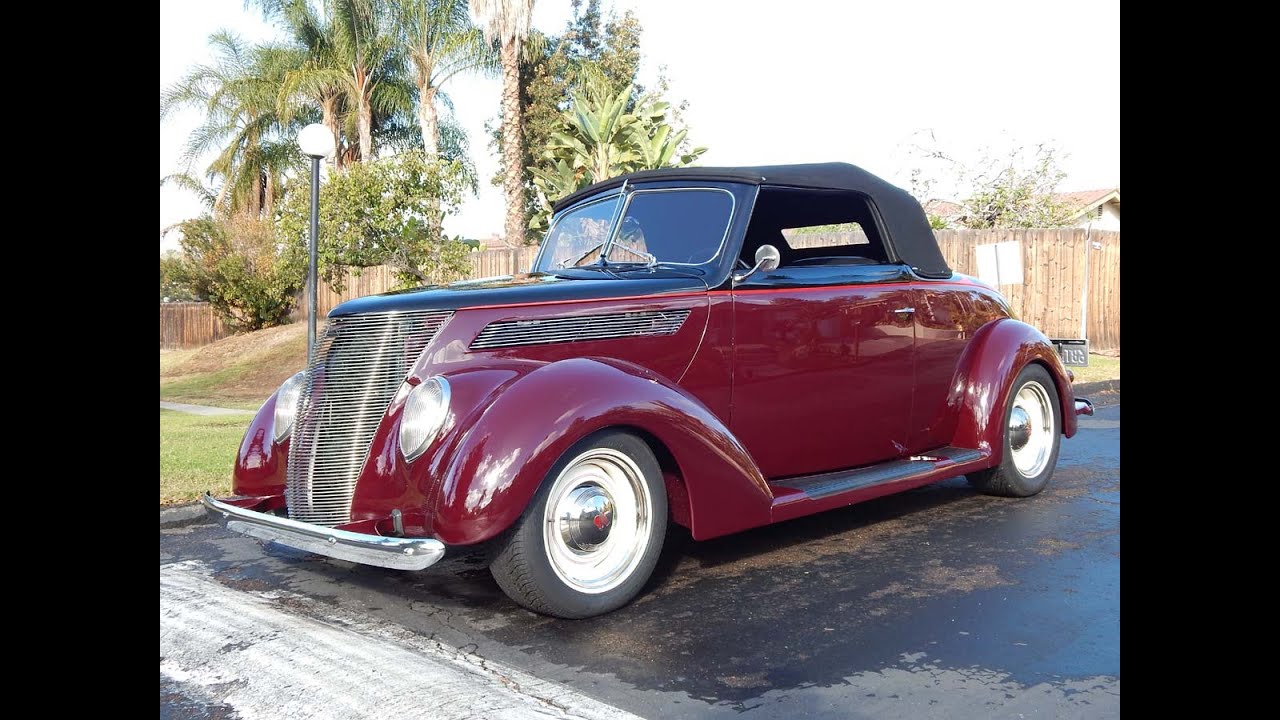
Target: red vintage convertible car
{"x":687,"y":349}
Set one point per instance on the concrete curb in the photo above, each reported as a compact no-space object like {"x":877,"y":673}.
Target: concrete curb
{"x":182,"y":515}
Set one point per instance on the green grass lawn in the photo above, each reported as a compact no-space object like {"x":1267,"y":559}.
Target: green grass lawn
{"x":1101,"y":367}
{"x":197,"y":453}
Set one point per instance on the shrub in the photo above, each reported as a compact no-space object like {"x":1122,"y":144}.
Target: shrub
{"x":238,"y":266}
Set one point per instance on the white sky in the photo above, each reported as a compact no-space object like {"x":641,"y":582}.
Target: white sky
{"x":801,"y":81}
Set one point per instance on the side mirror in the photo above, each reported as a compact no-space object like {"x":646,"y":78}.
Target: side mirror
{"x":767,"y":259}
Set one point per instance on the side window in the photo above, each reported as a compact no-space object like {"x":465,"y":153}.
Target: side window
{"x":834,"y":235}
{"x":814,"y":228}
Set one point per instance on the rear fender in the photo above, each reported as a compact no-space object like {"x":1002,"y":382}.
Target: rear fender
{"x":984,"y":378}
{"x":501,"y":459}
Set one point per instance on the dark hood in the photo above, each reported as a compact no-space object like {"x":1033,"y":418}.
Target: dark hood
{"x":527,"y":288}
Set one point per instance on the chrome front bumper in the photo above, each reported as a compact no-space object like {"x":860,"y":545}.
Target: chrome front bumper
{"x":387,"y":552}
{"x":1084,"y":406}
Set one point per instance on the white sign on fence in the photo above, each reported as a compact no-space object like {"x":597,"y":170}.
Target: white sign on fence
{"x":1000,"y":263}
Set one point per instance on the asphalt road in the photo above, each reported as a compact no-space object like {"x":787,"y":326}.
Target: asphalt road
{"x":935,"y":603}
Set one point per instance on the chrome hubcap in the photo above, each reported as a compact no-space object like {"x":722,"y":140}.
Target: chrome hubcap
{"x":598,"y":521}
{"x":1019,"y":428}
{"x":586,"y":517}
{"x":1031,"y":429}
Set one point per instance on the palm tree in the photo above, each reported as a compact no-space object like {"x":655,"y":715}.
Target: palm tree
{"x":237,"y":94}
{"x":313,"y":81}
{"x":442,"y":42}
{"x":368,"y":60}
{"x":507,"y":22}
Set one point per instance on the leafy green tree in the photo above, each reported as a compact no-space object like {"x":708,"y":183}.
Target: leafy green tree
{"x":596,"y":49}
{"x":589,"y":45}
{"x":1012,"y":189}
{"x":507,"y":23}
{"x":385,"y":212}
{"x":599,"y":139}
{"x":238,"y":266}
{"x":1015,"y":190}
{"x":254,"y":148}
{"x":171,"y":290}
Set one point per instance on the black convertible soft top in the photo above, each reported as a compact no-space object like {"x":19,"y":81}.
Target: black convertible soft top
{"x":909,"y":234}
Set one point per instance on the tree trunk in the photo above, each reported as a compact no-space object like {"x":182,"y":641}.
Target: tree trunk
{"x":255,"y":197}
{"x":269,"y":197}
{"x":329,"y":109}
{"x":513,"y":180}
{"x":429,"y":120}
{"x":365,"y":122}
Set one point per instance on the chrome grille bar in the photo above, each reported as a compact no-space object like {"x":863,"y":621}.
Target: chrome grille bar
{"x":360,"y":361}
{"x":515,"y":333}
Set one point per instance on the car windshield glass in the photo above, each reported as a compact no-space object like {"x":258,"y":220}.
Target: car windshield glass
{"x":675,"y":226}
{"x":578,"y":236}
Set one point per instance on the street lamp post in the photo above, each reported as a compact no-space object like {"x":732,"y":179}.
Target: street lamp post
{"x":316,"y":142}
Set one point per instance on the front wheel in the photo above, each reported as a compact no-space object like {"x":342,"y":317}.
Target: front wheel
{"x":593,"y":532}
{"x":1032,"y":436}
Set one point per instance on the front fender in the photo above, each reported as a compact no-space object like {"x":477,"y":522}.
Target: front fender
{"x":985,"y":376}
{"x":259,"y":468}
{"x":501,"y":459}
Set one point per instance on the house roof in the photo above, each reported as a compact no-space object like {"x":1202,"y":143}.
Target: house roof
{"x":944,"y":209}
{"x":1082,"y":201}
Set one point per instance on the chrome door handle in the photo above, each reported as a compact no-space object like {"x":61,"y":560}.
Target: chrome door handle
{"x":905,"y":311}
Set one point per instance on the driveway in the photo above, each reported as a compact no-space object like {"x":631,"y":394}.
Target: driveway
{"x":935,"y":603}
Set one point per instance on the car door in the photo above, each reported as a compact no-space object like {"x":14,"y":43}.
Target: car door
{"x":823,"y":367}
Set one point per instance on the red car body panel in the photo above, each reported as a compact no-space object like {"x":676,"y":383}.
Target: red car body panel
{"x":801,"y":356}
{"x":260,"y":462}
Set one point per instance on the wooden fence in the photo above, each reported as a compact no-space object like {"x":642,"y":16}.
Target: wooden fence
{"x":373,"y":280}
{"x":1070,"y":276}
{"x":189,"y":324}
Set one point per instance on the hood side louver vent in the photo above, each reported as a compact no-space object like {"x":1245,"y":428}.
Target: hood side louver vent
{"x":584,"y":328}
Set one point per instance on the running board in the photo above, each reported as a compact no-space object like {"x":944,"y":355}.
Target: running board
{"x":871,"y":481}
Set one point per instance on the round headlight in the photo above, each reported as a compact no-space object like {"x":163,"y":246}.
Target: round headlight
{"x":287,"y":405}
{"x":424,"y":412}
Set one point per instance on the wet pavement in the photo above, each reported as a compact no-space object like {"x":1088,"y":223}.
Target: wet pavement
{"x":935,"y":603}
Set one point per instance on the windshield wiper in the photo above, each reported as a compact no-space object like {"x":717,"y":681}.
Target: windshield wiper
{"x":574,"y":263}
{"x":649,"y":259}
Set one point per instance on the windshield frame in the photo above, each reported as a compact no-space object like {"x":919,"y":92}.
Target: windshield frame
{"x":627,"y":193}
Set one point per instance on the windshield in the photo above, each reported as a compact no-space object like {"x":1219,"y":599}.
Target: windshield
{"x":678,"y":226}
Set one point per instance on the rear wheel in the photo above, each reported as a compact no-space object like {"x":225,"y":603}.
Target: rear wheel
{"x":1032,"y":436}
{"x":592,"y":534}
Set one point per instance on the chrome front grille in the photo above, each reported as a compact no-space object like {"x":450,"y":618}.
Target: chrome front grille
{"x":360,"y":361}
{"x":514,"y":333}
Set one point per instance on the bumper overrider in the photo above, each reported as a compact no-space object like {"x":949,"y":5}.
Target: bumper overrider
{"x":388,"y":552}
